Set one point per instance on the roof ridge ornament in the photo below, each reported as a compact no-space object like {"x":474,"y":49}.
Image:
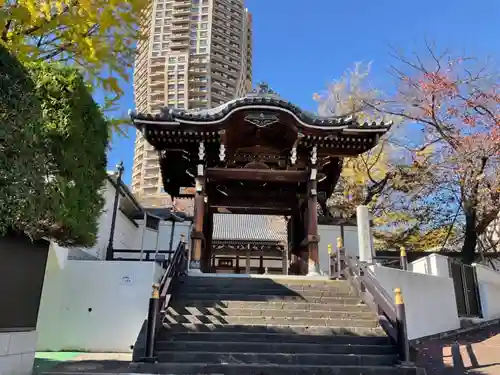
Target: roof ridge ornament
{"x":263,"y":89}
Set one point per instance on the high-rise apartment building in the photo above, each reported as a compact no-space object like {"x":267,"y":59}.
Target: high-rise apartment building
{"x":194,"y":54}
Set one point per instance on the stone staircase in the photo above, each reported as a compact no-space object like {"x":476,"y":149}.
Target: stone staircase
{"x":263,"y":326}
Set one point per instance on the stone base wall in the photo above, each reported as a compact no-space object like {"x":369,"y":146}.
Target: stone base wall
{"x":17,"y":352}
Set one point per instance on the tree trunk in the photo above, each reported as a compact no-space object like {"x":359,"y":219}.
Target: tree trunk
{"x":470,"y":240}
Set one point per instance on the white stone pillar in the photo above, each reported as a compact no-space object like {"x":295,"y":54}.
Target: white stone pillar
{"x":364,"y":234}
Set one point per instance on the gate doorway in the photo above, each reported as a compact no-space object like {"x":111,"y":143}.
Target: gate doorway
{"x":466,"y":289}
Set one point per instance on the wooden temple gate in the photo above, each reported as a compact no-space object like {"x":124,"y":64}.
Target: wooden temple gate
{"x":256,"y":155}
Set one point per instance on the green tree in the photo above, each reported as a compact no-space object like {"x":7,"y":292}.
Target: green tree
{"x":96,"y":36}
{"x":54,"y":164}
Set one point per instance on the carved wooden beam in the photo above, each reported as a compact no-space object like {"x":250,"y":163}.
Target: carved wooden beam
{"x":220,"y":174}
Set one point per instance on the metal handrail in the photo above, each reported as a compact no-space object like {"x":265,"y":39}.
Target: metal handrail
{"x":391,"y":313}
{"x":160,"y":299}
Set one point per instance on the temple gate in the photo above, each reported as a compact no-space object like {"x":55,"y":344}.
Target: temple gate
{"x":257,"y":155}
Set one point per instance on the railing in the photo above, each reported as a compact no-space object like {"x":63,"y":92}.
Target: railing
{"x":160,"y":299}
{"x":150,"y":255}
{"x":391,"y":312}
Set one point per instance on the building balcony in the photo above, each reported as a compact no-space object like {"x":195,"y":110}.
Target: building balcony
{"x":180,"y":20}
{"x":181,"y":12}
{"x":179,"y":36}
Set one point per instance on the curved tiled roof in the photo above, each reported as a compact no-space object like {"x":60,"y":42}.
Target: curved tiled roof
{"x":261,"y":98}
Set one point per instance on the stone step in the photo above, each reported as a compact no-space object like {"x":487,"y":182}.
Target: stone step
{"x":197,"y":368}
{"x":275,"y":328}
{"x":270,"y":347}
{"x":261,"y":282}
{"x":339,"y":305}
{"x":271,"y":320}
{"x":310,"y":292}
{"x":274,"y":291}
{"x":278,"y":358}
{"x":222,"y":297}
{"x":223,"y":312}
{"x":330,"y":338}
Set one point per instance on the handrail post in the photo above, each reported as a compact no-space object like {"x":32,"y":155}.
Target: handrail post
{"x":154,"y":307}
{"x":404,"y":259}
{"x":330,"y":255}
{"x":340,"y":248}
{"x":402,"y":332}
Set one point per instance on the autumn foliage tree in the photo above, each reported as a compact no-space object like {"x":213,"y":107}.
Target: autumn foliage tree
{"x":383,"y":178}
{"x":455,"y":102}
{"x":96,"y":36}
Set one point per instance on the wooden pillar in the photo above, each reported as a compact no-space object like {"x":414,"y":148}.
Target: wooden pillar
{"x":207,"y":233}
{"x":197,"y":236}
{"x":247,"y":264}
{"x":285,"y":260}
{"x":261,"y":265}
{"x":312,"y":219}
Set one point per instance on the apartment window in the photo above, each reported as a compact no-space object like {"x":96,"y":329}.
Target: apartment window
{"x":204,"y":17}
{"x":165,"y":29}
{"x":157,"y":30}
{"x":158,"y":22}
{"x":165,"y":38}
{"x":203,"y":50}
{"x":171,"y":96}
{"x":171,"y":59}
{"x":159,"y":6}
{"x":193,"y":42}
{"x":171,"y":87}
{"x":194,"y":18}
{"x":180,"y":67}
{"x":156,"y":46}
{"x":157,"y":38}
{"x":164,"y":46}
{"x":155,"y":54}
{"x":204,"y":9}
{"x":171,"y":76}
{"x":193,"y":51}
{"x":203,"y":34}
{"x":182,"y":58}
{"x":204,"y":26}
{"x":171,"y":67}
{"x":168,"y":13}
{"x":180,"y":86}
{"x":193,"y":34}
{"x":203,"y":42}
{"x":195,"y":9}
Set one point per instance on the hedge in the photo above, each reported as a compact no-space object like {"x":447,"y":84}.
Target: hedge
{"x":60,"y":138}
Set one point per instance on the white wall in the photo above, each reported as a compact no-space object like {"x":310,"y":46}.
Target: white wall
{"x":17,"y":352}
{"x":430,"y":302}
{"x":94,"y":306}
{"x":433,"y":264}
{"x":328,"y":235}
{"x":489,"y":291}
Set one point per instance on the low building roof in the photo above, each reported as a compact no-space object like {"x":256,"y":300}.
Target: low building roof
{"x":252,"y":229}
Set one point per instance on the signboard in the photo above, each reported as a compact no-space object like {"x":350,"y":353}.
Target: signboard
{"x":126,"y":280}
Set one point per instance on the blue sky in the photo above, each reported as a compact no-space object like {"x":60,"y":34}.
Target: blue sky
{"x":301,"y":46}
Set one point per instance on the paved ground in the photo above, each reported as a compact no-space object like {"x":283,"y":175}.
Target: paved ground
{"x":84,"y":362}
{"x":474,"y":353}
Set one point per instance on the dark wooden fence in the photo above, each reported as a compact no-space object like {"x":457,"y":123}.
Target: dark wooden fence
{"x":22,"y":271}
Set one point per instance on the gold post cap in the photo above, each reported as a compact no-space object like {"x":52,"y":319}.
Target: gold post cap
{"x":398,"y":296}
{"x":402,"y":251}
{"x":330,"y":251}
{"x":340,"y":243}
{"x":156,"y":291}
